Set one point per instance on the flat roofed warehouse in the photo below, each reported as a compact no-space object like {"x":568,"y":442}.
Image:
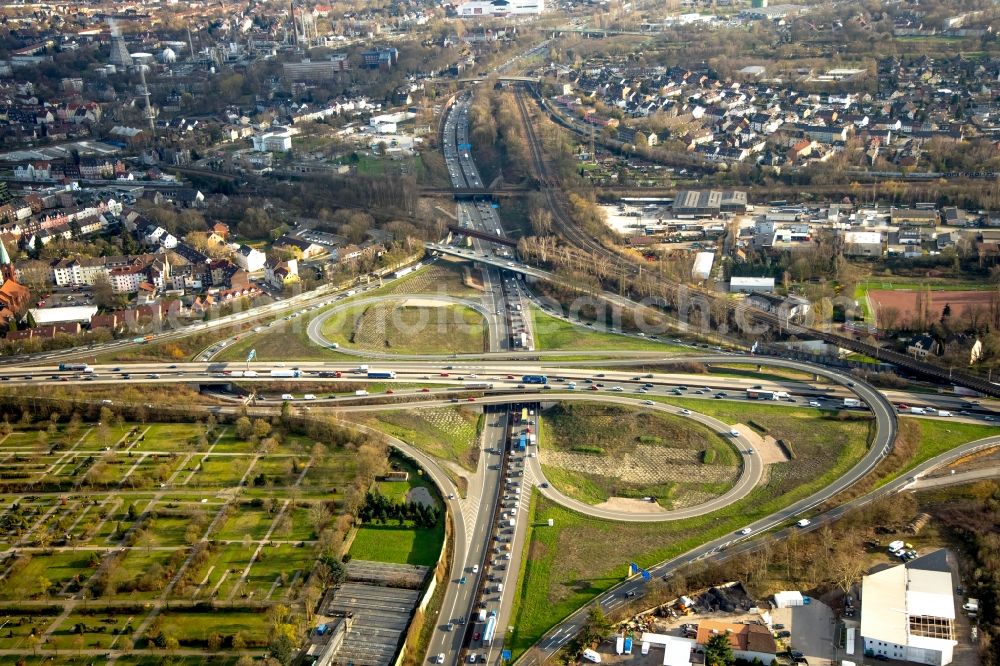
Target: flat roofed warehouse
{"x":709,"y":202}
{"x":908,"y":611}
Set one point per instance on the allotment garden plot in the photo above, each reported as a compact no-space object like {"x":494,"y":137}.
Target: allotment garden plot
{"x":162,"y":532}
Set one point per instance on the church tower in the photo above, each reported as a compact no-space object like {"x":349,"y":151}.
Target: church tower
{"x":7,"y":270}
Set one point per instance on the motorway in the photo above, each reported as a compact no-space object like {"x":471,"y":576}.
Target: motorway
{"x":460,"y":599}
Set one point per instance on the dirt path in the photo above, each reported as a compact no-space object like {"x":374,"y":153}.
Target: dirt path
{"x":766,"y":446}
{"x":629,"y":505}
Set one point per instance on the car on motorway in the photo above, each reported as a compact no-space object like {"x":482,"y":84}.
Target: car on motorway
{"x":462,"y":581}
{"x":439,"y":659}
{"x":686,"y":412}
{"x":648,"y":402}
{"x":803,"y":522}
{"x":814,"y":403}
{"x":745,"y":531}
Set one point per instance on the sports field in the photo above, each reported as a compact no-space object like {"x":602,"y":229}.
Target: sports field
{"x":906,"y":304}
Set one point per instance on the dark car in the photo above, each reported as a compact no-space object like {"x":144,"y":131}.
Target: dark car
{"x":783,"y":634}
{"x":475,"y":636}
{"x":882,"y":657}
{"x":779,"y":626}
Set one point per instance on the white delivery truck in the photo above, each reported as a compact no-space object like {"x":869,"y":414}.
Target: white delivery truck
{"x":852,"y":402}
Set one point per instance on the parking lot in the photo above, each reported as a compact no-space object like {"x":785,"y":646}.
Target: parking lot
{"x":812,"y":627}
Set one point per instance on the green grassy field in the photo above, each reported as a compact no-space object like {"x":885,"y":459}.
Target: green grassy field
{"x":749,"y":370}
{"x":589,"y":452}
{"x":396,"y":327}
{"x":556,"y":334}
{"x":937,"y":436}
{"x":197,"y":627}
{"x":397,"y":544}
{"x":446,"y":433}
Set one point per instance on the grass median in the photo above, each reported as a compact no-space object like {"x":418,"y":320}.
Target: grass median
{"x":552,"y":333}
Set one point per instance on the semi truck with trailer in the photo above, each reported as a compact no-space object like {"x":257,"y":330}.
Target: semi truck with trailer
{"x":381,"y":374}
{"x":852,"y":402}
{"x":75,"y":367}
{"x":535,"y":379}
{"x":286,"y":373}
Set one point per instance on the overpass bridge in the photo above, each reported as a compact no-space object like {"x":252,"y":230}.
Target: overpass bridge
{"x":502,"y":79}
{"x":481,"y":235}
{"x":466,"y":193}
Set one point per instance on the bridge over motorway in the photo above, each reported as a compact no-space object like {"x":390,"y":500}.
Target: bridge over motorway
{"x":475,"y":192}
{"x":504,"y":79}
{"x":481,"y":235}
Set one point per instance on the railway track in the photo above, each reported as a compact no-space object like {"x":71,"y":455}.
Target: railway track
{"x":740,"y":311}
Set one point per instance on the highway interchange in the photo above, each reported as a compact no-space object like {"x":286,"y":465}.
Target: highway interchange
{"x":481,"y":547}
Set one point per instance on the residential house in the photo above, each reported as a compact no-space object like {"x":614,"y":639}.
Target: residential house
{"x":921,"y":346}
{"x":249,"y":259}
{"x":279,"y":274}
{"x":748,"y":641}
{"x":300,"y":248}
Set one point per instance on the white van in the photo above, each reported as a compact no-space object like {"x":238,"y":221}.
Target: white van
{"x":287,"y":396}
{"x":309,"y":396}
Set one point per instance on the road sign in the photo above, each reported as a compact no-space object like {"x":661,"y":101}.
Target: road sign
{"x":646,"y":576}
{"x":633,"y":568}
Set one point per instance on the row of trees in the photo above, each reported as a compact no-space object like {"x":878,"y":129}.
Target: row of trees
{"x":379,"y":509}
